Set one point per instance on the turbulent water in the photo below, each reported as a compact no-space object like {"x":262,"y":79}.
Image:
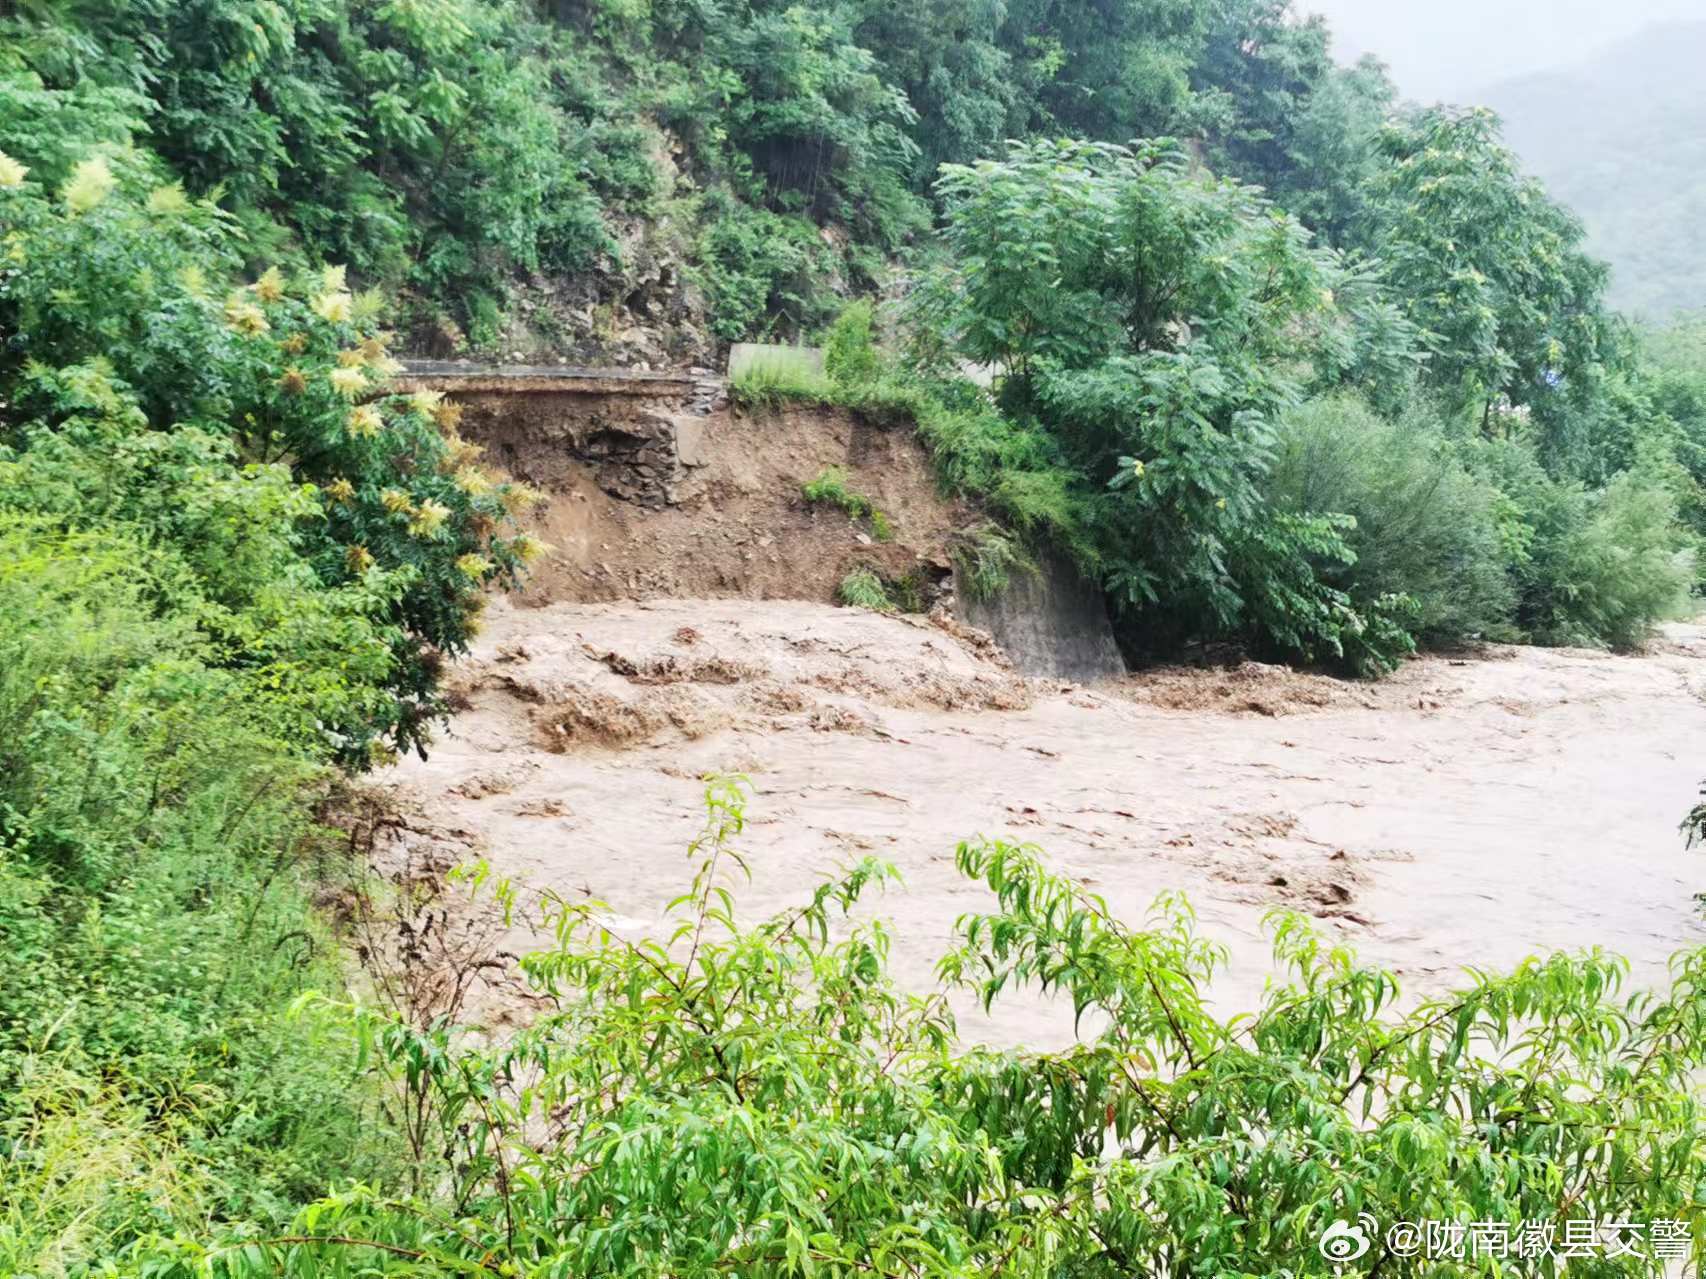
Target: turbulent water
{"x":1464,"y":812}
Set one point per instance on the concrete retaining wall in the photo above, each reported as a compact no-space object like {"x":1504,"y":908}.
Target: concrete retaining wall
{"x":1051,"y":623}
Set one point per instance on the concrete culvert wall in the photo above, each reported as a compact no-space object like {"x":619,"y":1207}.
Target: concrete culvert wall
{"x":1051,"y":623}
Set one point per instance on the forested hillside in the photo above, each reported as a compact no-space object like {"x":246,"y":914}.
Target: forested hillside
{"x":1284,"y":368}
{"x":1622,"y":140}
{"x":667,"y":175}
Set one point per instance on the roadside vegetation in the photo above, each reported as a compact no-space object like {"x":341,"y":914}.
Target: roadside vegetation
{"x":1329,"y":379}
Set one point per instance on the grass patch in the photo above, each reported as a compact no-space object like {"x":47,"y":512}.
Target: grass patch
{"x":830,"y":488}
{"x":769,"y":385}
{"x":864,"y":588}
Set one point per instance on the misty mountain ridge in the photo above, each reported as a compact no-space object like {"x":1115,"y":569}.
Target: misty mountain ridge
{"x":1621,"y":139}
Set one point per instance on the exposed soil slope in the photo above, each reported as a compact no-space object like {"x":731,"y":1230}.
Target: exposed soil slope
{"x":738,"y":525}
{"x":1459,"y":813}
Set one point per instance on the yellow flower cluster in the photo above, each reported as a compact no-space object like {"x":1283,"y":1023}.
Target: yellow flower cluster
{"x":11,"y":173}
{"x":245,"y":317}
{"x":348,"y":382}
{"x":429,"y":519}
{"x":426,"y":402}
{"x":364,"y":421}
{"x":473,"y":481}
{"x":341,"y":490}
{"x":270,"y":287}
{"x":333,"y":308}
{"x":352,"y":359}
{"x":396,"y":501}
{"x":528,"y":548}
{"x":518,"y":498}
{"x":359,"y":559}
{"x":91,"y":182}
{"x":373,"y":350}
{"x":473,"y":566}
{"x":168,"y":201}
{"x":461,"y":452}
{"x":293,"y":382}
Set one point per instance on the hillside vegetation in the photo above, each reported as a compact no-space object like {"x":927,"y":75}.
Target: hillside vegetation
{"x":1278,"y":364}
{"x":1622,"y":140}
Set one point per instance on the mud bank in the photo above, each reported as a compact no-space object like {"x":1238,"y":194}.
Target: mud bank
{"x":1462,"y":812}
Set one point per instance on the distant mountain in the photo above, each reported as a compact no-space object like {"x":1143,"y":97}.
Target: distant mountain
{"x":1622,"y":140}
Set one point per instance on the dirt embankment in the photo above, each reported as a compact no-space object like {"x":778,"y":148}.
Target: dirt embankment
{"x":731,"y":521}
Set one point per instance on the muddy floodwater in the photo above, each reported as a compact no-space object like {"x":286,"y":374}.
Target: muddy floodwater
{"x":1466,"y":811}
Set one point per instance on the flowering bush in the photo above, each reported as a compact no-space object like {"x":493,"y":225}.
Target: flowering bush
{"x":331,"y":530}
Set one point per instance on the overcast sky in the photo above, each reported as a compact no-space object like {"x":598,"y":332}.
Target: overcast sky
{"x":1450,"y":48}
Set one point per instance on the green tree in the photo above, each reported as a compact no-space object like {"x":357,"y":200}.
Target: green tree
{"x":959,"y":79}
{"x":1108,"y":72}
{"x":1491,"y":270}
{"x":1154,"y":323}
{"x":247,"y":433}
{"x":420,"y":143}
{"x":1277,"y":111}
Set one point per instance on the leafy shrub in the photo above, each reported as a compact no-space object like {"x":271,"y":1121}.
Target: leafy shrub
{"x":1672,"y":375}
{"x":1424,"y":525}
{"x":155,"y":879}
{"x":760,"y":1099}
{"x":849,"y":353}
{"x":1591,"y":567}
{"x":761,"y":271}
{"x":339,"y":539}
